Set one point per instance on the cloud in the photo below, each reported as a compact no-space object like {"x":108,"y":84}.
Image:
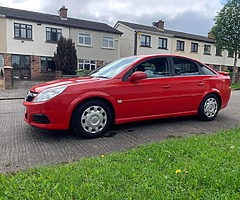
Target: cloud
{"x":22,"y":4}
{"x":191,"y":22}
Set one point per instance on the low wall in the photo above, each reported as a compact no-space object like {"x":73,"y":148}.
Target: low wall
{"x":237,"y":78}
{"x":8,"y":76}
{"x":2,"y":85}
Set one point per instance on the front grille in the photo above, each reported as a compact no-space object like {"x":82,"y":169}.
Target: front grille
{"x":40,"y":119}
{"x":30,"y":96}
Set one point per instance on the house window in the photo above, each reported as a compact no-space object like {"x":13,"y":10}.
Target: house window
{"x":218,"y":52}
{"x":87,"y":64}
{"x":21,"y":61}
{"x":180,"y":45}
{"x":1,"y":61}
{"x":53,"y":34}
{"x":217,"y":67}
{"x":162,"y":43}
{"x":85,"y":39}
{"x":145,"y":41}
{"x":107,"y":42}
{"x":194,"y":47}
{"x":47,"y":64}
{"x":230,"y":68}
{"x":23,"y":31}
{"x":230,"y":54}
{"x":207,"y":49}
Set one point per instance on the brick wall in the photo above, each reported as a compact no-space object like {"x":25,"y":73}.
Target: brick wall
{"x":7,"y":59}
{"x":99,"y":63}
{"x":35,"y":67}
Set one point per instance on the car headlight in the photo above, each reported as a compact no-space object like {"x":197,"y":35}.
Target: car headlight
{"x":47,"y":94}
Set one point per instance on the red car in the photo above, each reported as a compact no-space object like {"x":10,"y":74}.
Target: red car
{"x":127,"y":90}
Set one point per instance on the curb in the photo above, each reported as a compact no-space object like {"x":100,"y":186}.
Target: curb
{"x":10,"y":98}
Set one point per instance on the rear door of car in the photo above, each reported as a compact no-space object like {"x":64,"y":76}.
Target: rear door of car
{"x":190,"y":84}
{"x":151,"y":96}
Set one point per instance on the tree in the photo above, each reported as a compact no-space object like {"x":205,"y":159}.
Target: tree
{"x":66,"y":56}
{"x":226,"y":30}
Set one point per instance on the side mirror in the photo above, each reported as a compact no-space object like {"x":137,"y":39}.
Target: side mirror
{"x":138,"y":75}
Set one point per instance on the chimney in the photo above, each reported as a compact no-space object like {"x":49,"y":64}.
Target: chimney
{"x":63,"y":13}
{"x":159,"y":24}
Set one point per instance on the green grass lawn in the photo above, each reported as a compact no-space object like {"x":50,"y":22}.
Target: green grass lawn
{"x":235,"y":86}
{"x":198,"y":167}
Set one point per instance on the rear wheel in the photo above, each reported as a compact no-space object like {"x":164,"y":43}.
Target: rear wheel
{"x":209,"y":107}
{"x":91,"y":119}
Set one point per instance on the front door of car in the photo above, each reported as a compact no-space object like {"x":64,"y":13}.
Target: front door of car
{"x":149,"y":97}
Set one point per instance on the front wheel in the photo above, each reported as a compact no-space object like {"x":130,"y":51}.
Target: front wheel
{"x":209,"y":108}
{"x":91,"y":119}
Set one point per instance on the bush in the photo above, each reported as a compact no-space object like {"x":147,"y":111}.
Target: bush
{"x":66,"y":56}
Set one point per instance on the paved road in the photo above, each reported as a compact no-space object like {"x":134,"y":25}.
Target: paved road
{"x":22,"y":146}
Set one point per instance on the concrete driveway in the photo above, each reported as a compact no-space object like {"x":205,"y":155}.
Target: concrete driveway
{"x":22,"y":146}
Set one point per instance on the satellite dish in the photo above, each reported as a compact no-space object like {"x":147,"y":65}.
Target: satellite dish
{"x":154,"y":23}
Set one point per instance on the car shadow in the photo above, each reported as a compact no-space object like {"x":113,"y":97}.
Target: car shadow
{"x":115,"y":129}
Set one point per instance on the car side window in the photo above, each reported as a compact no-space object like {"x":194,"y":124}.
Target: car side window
{"x":207,"y":70}
{"x":154,"y":68}
{"x":185,"y":67}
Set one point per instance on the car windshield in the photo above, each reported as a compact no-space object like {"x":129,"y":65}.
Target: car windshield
{"x":113,"y":68}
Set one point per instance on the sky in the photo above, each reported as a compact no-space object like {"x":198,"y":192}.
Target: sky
{"x":190,"y":16}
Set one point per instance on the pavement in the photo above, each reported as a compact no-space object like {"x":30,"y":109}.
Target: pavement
{"x":19,"y":90}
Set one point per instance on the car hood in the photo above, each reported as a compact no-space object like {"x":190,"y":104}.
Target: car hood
{"x":66,"y":81}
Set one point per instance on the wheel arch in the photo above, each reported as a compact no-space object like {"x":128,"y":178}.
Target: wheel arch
{"x":217,"y":94}
{"x":102,"y":99}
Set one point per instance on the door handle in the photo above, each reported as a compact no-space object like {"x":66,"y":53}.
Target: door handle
{"x":166,"y":86}
{"x":201,"y":83}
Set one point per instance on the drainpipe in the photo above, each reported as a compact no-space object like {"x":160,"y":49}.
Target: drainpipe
{"x":135,"y":43}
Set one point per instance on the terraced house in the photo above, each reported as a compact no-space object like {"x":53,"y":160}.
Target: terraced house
{"x":141,"y":39}
{"x":29,"y":39}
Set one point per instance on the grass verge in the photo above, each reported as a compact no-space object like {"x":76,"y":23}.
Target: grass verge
{"x":235,"y":86}
{"x":198,"y":167}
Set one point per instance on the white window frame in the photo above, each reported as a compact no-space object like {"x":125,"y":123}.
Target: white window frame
{"x":84,"y":36}
{"x":108,"y":39}
{"x":82,"y":64}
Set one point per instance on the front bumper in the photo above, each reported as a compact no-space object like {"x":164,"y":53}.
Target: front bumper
{"x":45,"y":116}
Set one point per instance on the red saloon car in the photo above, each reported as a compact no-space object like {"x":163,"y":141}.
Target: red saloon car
{"x":129,"y":89}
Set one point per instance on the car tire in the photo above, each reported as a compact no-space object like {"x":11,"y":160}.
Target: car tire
{"x":209,"y":107}
{"x":92,"y":119}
